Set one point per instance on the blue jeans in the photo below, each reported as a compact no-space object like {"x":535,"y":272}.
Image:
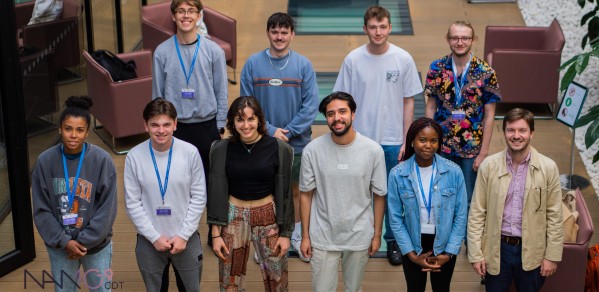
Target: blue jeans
{"x":391,"y":153}
{"x":96,"y":276}
{"x":511,"y":268}
{"x":469,"y":175}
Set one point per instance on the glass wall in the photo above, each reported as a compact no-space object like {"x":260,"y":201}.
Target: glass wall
{"x":7,"y":237}
{"x":16,"y":223}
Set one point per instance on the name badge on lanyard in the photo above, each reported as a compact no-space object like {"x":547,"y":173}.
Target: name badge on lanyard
{"x":162,"y":210}
{"x":187,"y":93}
{"x":458,"y":115}
{"x":71,"y":218}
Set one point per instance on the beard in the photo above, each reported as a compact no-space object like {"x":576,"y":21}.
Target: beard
{"x":342,"y":132}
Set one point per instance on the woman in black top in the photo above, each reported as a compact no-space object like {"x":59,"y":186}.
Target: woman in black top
{"x":250,"y":170}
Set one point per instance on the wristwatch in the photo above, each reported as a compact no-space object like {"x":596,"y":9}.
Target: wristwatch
{"x":450,"y":255}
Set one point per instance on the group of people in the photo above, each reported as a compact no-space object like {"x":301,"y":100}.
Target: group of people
{"x":428,"y":184}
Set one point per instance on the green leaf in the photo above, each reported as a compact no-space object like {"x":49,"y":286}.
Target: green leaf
{"x":570,"y":61}
{"x":568,"y":77}
{"x":587,"y":16}
{"x":596,"y":157}
{"x":592,"y":134}
{"x":581,"y":3}
{"x":585,"y":38}
{"x":591,"y":116}
{"x":582,"y":62}
{"x":594,"y":28}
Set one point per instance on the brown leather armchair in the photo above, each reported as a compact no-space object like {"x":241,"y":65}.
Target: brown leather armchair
{"x":526,"y":60}
{"x":119,"y":105}
{"x":157,"y":25}
{"x":60,"y":35}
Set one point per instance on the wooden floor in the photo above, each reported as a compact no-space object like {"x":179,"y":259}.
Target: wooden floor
{"x":430,"y":20}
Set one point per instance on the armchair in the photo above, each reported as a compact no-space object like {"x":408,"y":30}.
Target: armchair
{"x":526,"y":60}
{"x":571,"y":270}
{"x":119,"y":105}
{"x":60,"y":35}
{"x":157,"y":25}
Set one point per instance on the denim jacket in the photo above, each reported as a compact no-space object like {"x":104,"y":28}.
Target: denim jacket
{"x":449,"y":203}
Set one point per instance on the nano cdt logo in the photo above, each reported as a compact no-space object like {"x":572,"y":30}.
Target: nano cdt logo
{"x":91,"y":279}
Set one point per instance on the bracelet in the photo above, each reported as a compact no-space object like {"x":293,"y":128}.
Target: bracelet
{"x":215,"y":236}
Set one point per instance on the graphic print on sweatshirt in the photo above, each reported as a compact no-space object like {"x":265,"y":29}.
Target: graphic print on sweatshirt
{"x":80,"y":203}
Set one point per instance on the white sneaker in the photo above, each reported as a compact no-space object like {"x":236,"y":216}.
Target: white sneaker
{"x":296,"y":243}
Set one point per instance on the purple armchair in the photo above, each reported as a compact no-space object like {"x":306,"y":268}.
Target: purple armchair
{"x":526,"y":60}
{"x":119,"y":105}
{"x":157,"y":25}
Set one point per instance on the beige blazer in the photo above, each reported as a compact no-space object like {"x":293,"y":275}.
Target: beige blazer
{"x":542,"y":228}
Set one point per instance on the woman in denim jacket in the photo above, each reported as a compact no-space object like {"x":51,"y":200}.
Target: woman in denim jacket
{"x":427,"y":208}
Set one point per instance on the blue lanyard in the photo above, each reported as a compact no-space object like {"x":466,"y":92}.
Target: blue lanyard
{"x":193,"y":61}
{"x":459,"y":82}
{"x":71,"y":193}
{"x":427,"y":204}
{"x":168,"y":169}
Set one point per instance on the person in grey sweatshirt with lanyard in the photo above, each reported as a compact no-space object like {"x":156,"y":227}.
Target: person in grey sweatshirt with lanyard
{"x":74,"y":203}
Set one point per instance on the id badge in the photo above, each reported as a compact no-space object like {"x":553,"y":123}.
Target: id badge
{"x":163,"y":211}
{"x":427,"y":228}
{"x":458,"y":115}
{"x":69,"y":219}
{"x":188,"y":93}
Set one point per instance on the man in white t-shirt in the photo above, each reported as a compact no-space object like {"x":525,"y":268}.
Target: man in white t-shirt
{"x":339,"y":173}
{"x":383,"y":80}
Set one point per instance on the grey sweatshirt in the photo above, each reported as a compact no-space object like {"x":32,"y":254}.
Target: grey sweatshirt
{"x":208,"y":79}
{"x":95,"y":199}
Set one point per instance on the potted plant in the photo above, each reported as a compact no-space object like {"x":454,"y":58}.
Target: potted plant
{"x":577,"y":64}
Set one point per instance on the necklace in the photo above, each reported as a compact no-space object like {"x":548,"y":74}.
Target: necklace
{"x":249,"y":150}
{"x":286,"y":62}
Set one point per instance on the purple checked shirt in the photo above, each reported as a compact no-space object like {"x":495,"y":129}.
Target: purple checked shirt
{"x":511,"y":224}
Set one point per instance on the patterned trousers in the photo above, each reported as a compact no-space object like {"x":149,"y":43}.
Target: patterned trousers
{"x":258,"y":225}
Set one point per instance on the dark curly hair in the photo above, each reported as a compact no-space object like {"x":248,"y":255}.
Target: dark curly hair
{"x":236,"y":109}
{"x":77,"y":106}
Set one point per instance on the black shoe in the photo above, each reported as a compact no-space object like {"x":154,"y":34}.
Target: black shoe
{"x":393,"y":253}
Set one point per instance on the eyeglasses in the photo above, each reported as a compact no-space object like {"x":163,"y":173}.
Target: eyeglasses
{"x":182,"y":11}
{"x":455,"y":39}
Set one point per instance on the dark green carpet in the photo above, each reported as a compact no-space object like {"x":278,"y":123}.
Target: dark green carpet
{"x":335,"y":17}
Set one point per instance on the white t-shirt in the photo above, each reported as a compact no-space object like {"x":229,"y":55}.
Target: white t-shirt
{"x":343,"y":178}
{"x":378,"y":84}
{"x":427,"y":226}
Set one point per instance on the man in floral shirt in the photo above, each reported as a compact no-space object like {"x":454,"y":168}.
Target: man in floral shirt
{"x":461,"y":92}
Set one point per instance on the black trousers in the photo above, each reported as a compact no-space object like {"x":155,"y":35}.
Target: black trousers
{"x":416,"y":278}
{"x":201,"y":135}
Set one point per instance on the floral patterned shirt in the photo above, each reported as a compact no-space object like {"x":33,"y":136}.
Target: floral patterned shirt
{"x":461,"y":138}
